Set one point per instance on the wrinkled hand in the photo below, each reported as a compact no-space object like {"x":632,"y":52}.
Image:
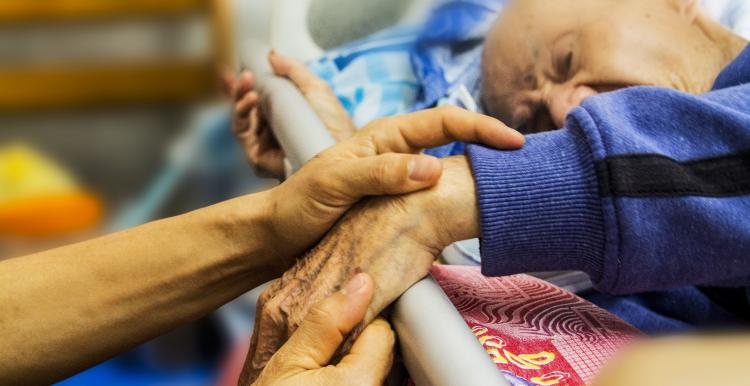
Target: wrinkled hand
{"x":304,"y":359}
{"x":249,"y":123}
{"x":394,"y":239}
{"x":381,"y":159}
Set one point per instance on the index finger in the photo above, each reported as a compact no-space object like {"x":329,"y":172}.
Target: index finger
{"x":371,"y":357}
{"x":413,"y":132}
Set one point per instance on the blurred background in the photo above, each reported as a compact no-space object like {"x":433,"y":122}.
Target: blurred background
{"x":110,"y":116}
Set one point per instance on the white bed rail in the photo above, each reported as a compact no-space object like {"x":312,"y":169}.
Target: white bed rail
{"x":300,"y":132}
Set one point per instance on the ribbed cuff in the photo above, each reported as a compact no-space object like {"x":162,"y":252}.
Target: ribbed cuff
{"x":540,"y":206}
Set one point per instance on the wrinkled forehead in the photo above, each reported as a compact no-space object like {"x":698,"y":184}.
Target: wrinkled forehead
{"x":526,"y":30}
{"x":513,"y":44}
{"x":544,"y":20}
{"x":528,"y":24}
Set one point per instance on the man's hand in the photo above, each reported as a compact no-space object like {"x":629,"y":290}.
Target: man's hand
{"x":394,"y":239}
{"x":381,"y":159}
{"x":304,"y":359}
{"x":249,"y":123}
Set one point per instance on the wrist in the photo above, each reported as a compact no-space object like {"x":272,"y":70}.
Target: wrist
{"x":244,"y":227}
{"x":451,"y":206}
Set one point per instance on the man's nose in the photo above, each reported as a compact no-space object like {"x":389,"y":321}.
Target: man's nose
{"x":560,"y":99}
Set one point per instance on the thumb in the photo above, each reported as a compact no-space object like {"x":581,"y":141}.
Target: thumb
{"x":319,"y":336}
{"x":387,"y":174}
{"x":371,"y":357}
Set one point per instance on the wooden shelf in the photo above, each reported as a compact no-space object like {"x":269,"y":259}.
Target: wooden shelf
{"x":27,"y":89}
{"x":15,"y":11}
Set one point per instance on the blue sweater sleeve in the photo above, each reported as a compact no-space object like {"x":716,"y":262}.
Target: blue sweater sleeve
{"x":644,"y":189}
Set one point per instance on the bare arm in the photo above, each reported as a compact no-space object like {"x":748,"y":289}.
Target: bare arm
{"x":66,"y":309}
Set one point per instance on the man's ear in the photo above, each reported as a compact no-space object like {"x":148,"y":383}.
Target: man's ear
{"x":688,"y":9}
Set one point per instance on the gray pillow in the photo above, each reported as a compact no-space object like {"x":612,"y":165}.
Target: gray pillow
{"x":335,"y":22}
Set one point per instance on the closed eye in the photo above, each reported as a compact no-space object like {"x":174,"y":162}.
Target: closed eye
{"x":539,"y":122}
{"x":564,"y":65}
{"x":602,"y":88}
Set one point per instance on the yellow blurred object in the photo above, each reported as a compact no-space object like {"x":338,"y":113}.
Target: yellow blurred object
{"x":25,"y":173}
{"x":38,"y":198}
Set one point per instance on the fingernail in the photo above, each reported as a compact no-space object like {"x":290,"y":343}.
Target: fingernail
{"x":519,"y":136}
{"x":354,"y":285}
{"x":502,"y":127}
{"x":423,"y":168}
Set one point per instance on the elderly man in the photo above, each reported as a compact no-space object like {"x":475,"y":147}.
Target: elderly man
{"x":646,"y":188}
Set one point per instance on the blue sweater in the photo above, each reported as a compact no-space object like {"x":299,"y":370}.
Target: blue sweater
{"x":645,"y":189}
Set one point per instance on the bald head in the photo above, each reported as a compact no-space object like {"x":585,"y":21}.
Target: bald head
{"x":542,"y":58}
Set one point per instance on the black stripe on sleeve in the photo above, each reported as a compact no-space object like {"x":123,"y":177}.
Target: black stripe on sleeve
{"x":658,"y":176}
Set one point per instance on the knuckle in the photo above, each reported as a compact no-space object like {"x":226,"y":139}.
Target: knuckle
{"x":383,"y":175}
{"x":253,"y":156}
{"x":381,"y":123}
{"x":384,"y":327}
{"x":384,"y":333}
{"x":450,"y":110}
{"x":272,"y":312}
{"x":269,"y":292}
{"x":321,"y":316}
{"x":318,"y":183}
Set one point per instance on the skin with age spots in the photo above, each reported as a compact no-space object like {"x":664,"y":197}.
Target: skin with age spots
{"x":543,"y":58}
{"x":395,"y":239}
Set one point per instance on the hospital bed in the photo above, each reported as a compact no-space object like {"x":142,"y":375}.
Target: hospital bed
{"x":437,"y":346}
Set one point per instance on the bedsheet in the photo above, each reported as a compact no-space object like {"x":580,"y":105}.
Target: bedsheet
{"x":406,"y":69}
{"x":400,"y":70}
{"x":536,"y":333}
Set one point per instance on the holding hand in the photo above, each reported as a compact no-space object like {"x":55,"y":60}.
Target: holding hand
{"x":249,"y":123}
{"x":394,"y":239}
{"x":304,"y":359}
{"x":381,"y":159}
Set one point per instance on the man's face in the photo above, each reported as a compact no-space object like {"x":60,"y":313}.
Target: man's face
{"x":545,"y":57}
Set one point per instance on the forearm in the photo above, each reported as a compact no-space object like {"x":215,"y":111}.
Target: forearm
{"x":69,"y":308}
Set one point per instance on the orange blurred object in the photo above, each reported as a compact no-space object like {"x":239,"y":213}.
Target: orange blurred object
{"x":50,"y":215}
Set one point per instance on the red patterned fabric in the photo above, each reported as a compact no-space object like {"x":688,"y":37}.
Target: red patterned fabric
{"x":536,"y":333}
